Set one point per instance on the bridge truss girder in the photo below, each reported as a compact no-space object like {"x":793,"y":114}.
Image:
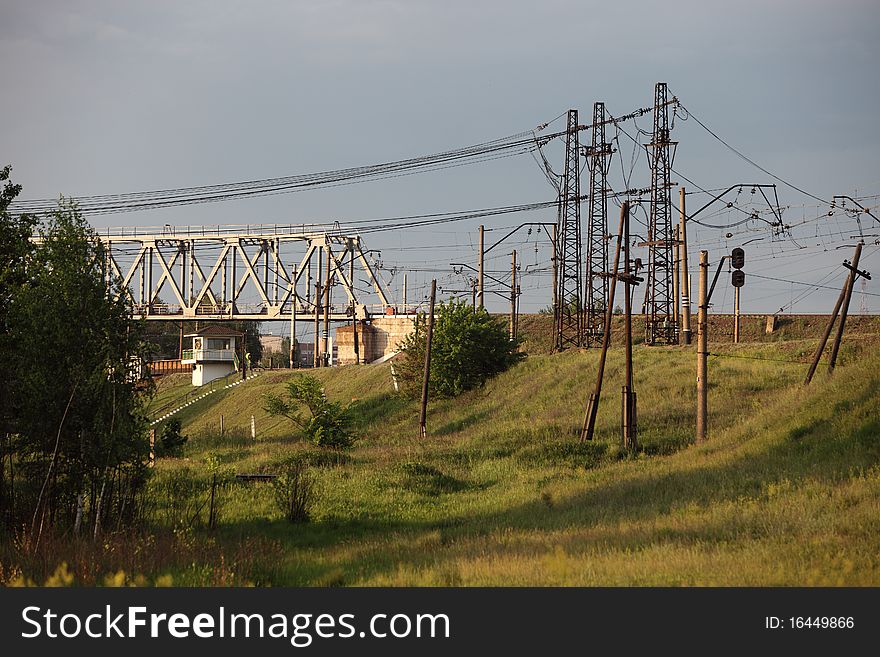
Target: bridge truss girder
{"x":178,"y":261}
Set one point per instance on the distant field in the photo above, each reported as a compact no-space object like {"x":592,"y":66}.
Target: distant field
{"x":785,"y":492}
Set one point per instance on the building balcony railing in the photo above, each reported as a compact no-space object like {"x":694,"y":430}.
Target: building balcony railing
{"x":209,"y":355}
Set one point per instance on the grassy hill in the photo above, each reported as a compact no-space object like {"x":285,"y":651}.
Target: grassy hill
{"x":786,"y":491}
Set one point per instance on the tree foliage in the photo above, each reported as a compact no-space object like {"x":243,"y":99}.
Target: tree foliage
{"x":467,"y":348}
{"x":74,"y":435}
{"x":172,"y":440}
{"x":329,"y":424}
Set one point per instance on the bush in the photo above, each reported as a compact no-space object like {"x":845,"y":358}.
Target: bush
{"x":295,"y":491}
{"x":171,"y":441}
{"x":330,"y":424}
{"x":468,"y":348}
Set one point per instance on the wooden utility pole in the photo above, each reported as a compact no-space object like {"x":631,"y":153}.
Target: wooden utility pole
{"x":423,"y":431}
{"x":850,"y":284}
{"x":293,"y":319}
{"x":315,"y":358}
{"x":513,"y":296}
{"x":685,"y":274}
{"x":593,"y":405}
{"x":702,"y":349}
{"x":629,"y":421}
{"x":480,"y":270}
{"x":824,"y":340}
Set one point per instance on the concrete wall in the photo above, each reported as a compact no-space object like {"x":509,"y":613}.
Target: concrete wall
{"x":378,"y":338}
{"x":206,"y":372}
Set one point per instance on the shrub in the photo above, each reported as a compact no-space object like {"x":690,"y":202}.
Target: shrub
{"x":171,"y":441}
{"x":295,"y":491}
{"x":330,"y":424}
{"x":468,"y":347}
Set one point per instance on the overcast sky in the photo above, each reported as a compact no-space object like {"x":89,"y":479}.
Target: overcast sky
{"x":107,"y":96}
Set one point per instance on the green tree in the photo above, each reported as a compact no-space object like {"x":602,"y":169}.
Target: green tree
{"x":467,"y":348}
{"x":329,"y":424}
{"x":79,"y":431}
{"x":15,"y":251}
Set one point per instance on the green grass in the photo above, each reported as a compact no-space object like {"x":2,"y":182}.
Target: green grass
{"x":785,"y":492}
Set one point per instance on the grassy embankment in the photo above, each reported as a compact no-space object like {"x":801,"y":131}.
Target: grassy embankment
{"x":786,"y":491}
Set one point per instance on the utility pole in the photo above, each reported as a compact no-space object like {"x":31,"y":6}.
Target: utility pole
{"x":513,"y":295}
{"x":824,"y":340}
{"x":480,"y":270}
{"x":736,"y":292}
{"x":629,"y":416}
{"x":593,"y":405}
{"x":685,"y":274}
{"x":702,"y":349}
{"x":850,"y":284}
{"x":555,"y":261}
{"x":660,"y":323}
{"x":326,"y":357}
{"x":596,"y":289}
{"x":293,"y":319}
{"x":404,"y":293}
{"x":317,"y":362}
{"x":354,"y":333}
{"x":676,"y":283}
{"x":569,"y":325}
{"x":423,"y":431}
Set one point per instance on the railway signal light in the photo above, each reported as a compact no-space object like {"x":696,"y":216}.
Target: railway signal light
{"x":738,"y":278}
{"x":737,"y":258}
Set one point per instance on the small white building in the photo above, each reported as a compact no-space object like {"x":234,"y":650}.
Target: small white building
{"x":214,"y":354}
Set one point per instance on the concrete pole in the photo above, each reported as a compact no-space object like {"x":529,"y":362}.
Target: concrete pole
{"x":736,"y":292}
{"x":702,"y":349}
{"x":555,"y":261}
{"x":316,"y":358}
{"x":512,"y":330}
{"x":628,"y":419}
{"x":423,"y":430}
{"x":685,"y":274}
{"x":326,"y":357}
{"x":192,"y":269}
{"x":676,"y":284}
{"x":850,"y":284}
{"x":404,"y":293}
{"x":354,"y":334}
{"x":480,"y":269}
{"x":293,"y":318}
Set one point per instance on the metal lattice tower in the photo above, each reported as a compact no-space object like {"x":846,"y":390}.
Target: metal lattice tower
{"x":661,"y":325}
{"x":596,"y":288}
{"x":569,"y":318}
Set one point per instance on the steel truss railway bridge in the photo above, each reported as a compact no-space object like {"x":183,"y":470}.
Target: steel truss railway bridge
{"x":255,"y":272}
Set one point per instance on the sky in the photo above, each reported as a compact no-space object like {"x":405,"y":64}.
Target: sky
{"x":103,"y":97}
